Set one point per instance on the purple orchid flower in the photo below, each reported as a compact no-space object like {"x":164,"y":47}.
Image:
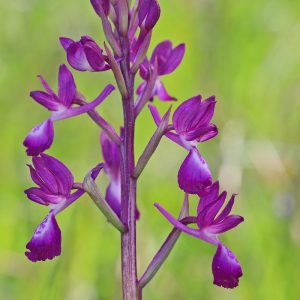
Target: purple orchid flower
{"x":85,"y":55}
{"x":111,"y":156}
{"x":194,"y":176}
{"x":41,"y":137}
{"x":167,"y":59}
{"x":225,"y":267}
{"x":191,"y":121}
{"x":55,"y":182}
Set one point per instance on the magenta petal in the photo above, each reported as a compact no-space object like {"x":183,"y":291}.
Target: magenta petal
{"x":194,"y":176}
{"x":36,"y":195}
{"x":39,"y":196}
{"x":46,"y":100}
{"x":46,"y":241}
{"x":207,"y":215}
{"x":45,"y":174}
{"x":40,"y":138}
{"x":46,"y":86}
{"x":161,"y":92}
{"x":228,"y":223}
{"x":149,"y":11}
{"x":38,"y":180}
{"x":226,"y":268}
{"x":174,"y":59}
{"x":94,"y":56}
{"x":66,"y":42}
{"x":66,"y":86}
{"x":160,"y":53}
{"x":226,"y":211}
{"x":202,"y":134}
{"x":63,"y":175}
{"x":210,"y":197}
{"x":153,"y":15}
{"x":77,"y":58}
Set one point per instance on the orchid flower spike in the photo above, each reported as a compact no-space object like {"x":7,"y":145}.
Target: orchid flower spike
{"x":55,"y":182}
{"x":211,"y":222}
{"x":41,"y":136}
{"x":167,"y":59}
{"x":85,"y":55}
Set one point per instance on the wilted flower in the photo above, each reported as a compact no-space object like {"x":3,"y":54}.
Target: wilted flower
{"x":55,"y":182}
{"x":167,"y":59}
{"x":40,"y":137}
{"x":211,"y":222}
{"x":84,"y":55}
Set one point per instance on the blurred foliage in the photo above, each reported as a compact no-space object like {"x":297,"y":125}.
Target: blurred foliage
{"x":244,"y":52}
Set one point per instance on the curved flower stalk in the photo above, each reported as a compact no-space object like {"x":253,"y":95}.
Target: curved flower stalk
{"x":55,"y":182}
{"x":85,"y":55}
{"x":211,"y":222}
{"x":41,"y":137}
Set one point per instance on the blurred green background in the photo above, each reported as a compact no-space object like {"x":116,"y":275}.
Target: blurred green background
{"x":244,"y":52}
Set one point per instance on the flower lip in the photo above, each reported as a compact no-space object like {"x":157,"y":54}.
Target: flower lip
{"x":194,"y":176}
{"x":226,"y":268}
{"x":40,"y":138}
{"x":46,"y":241}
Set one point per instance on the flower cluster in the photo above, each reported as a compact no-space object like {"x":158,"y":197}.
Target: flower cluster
{"x":211,"y":222}
{"x":128,"y":31}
